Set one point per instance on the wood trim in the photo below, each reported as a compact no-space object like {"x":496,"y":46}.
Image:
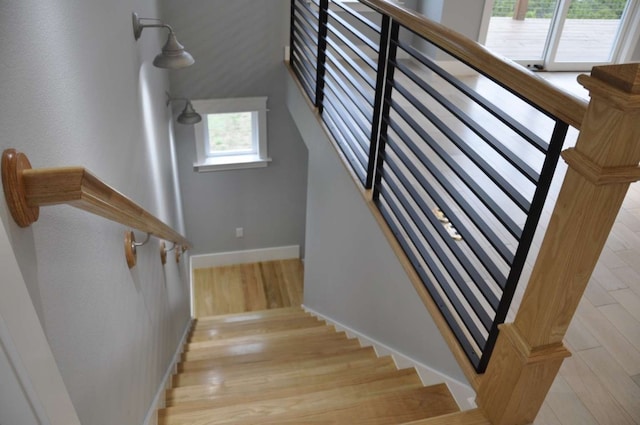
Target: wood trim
{"x":563,"y":105}
{"x":600,"y":175}
{"x":27,"y":189}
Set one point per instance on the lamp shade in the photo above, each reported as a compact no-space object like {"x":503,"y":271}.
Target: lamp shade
{"x":173,"y":55}
{"x":189,"y":115}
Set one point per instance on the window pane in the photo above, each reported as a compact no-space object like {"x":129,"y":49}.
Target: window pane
{"x":230,"y":133}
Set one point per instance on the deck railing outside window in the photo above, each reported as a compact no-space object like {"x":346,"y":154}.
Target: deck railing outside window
{"x":458,"y":177}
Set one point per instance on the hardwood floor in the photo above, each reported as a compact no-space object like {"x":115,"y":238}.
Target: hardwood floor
{"x":247,"y":287}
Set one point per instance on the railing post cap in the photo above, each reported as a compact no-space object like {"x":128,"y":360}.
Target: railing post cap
{"x":625,"y":77}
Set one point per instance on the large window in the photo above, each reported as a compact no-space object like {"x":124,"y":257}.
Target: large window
{"x":232,"y":134}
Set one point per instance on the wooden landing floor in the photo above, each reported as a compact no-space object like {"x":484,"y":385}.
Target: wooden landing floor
{"x":247,"y":287}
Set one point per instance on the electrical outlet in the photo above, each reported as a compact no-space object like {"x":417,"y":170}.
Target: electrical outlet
{"x":239,"y":232}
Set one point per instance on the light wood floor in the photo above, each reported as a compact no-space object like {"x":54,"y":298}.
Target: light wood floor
{"x":247,"y":287}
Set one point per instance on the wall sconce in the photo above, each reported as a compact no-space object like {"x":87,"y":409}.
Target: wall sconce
{"x":173,"y":55}
{"x":188,"y":116}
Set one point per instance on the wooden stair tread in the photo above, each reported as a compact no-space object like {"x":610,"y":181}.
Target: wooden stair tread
{"x":358,"y":387}
{"x":250,"y":315}
{"x":394,"y":407}
{"x":468,"y":417}
{"x":254,"y":327}
{"x":273,"y":370}
{"x":280,"y":344}
{"x":254,"y":353}
{"x":278,"y":335}
{"x":249,"y":321}
{"x":276,"y":385}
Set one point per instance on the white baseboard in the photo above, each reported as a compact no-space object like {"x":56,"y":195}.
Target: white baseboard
{"x":242,"y":257}
{"x":463,"y":393}
{"x":158,"y":401}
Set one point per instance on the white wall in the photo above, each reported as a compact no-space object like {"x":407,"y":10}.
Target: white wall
{"x":351,"y":273}
{"x":76,"y":89}
{"x":239,"y":51}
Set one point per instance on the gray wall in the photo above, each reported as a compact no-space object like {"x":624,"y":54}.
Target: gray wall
{"x":351,"y":273}
{"x":76,"y":89}
{"x":14,"y":404}
{"x":239,"y":51}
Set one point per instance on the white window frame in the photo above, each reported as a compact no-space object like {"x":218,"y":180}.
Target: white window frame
{"x":222,"y":162}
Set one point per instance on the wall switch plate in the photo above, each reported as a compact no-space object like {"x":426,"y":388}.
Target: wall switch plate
{"x":239,"y":232}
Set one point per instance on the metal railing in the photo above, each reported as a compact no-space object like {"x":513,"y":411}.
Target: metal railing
{"x":459,"y":178}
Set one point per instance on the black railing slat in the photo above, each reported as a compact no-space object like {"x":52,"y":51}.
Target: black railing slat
{"x":460,"y":309}
{"x":363,"y":107}
{"x":348,"y":119}
{"x":346,"y":108}
{"x":442,"y":256}
{"x":528,"y":171}
{"x":469,"y":210}
{"x":370,"y":81}
{"x":451,"y":321}
{"x":357,"y":16}
{"x":333,"y":62}
{"x":354,"y":31}
{"x":501,"y":182}
{"x":347,"y":136}
{"x":480,"y":252}
{"x":516,"y":126}
{"x":307,"y":34}
{"x":459,"y":171}
{"x":346,"y":149}
{"x":355,"y":49}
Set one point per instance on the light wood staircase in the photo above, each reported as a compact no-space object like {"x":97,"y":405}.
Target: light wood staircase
{"x":284,"y":366}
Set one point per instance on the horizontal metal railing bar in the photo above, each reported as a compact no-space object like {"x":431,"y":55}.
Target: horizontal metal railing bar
{"x":347,"y":150}
{"x":299,"y":45}
{"x":363,"y":107}
{"x":347,"y":136}
{"x":524,"y":83}
{"x":355,"y":49}
{"x":357,"y":16}
{"x":356,"y":132}
{"x":494,"y":110}
{"x":501,"y":182}
{"x":459,"y":308}
{"x":373,"y":46}
{"x":526,"y":170}
{"x":305,"y":5}
{"x":494,"y":240}
{"x":302,"y":29}
{"x":437,"y":298}
{"x":458,"y":170}
{"x":370,"y":81}
{"x":305,"y":69}
{"x":311,"y":93}
{"x":333,"y":62}
{"x":302,"y":23}
{"x":347,"y":107}
{"x":487,"y":262}
{"x":440,"y":253}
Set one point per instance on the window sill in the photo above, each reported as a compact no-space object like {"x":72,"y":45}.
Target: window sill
{"x":231,"y":163}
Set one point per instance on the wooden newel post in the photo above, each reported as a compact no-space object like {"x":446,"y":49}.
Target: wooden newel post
{"x":529,"y":352}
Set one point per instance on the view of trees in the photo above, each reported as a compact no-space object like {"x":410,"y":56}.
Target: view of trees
{"x":579,"y":9}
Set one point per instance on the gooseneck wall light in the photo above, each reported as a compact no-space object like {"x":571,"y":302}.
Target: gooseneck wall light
{"x":188,"y":116}
{"x":173,"y":55}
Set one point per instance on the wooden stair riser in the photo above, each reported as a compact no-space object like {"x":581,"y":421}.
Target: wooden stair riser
{"x":247,"y":319}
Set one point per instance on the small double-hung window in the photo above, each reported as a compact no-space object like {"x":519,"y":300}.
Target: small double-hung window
{"x":232,"y":134}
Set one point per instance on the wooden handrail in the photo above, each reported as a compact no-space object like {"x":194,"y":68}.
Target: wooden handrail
{"x":535,"y":89}
{"x":27,"y":189}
